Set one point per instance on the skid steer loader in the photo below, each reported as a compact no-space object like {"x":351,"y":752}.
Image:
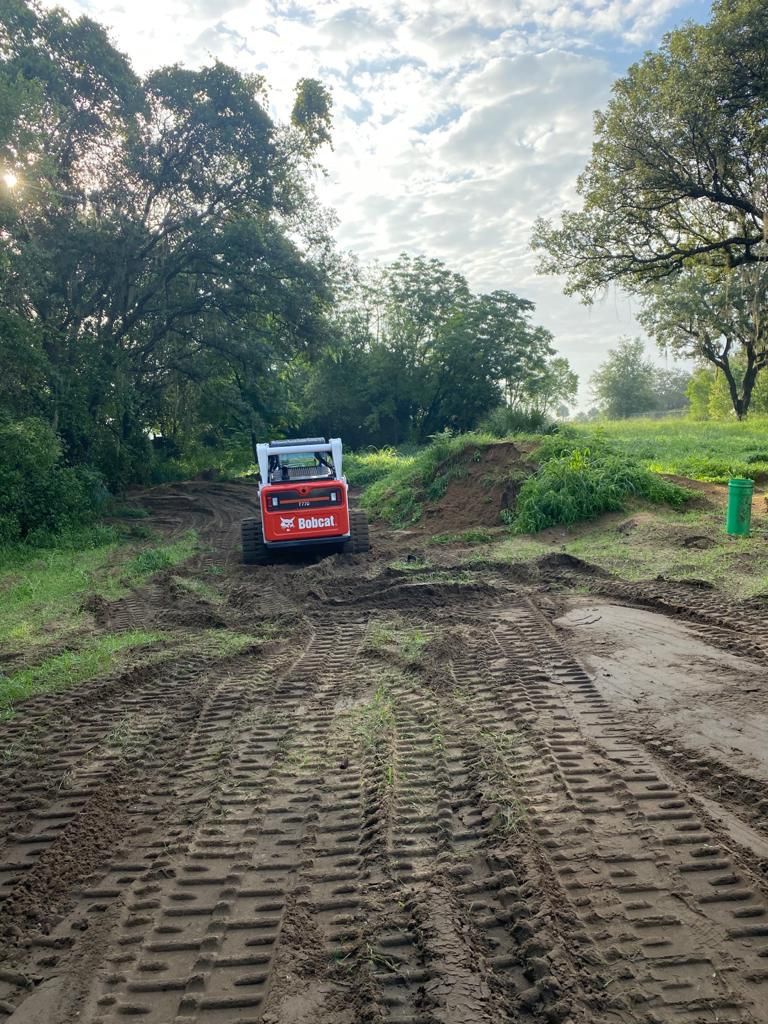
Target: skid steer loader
{"x":303,"y":502}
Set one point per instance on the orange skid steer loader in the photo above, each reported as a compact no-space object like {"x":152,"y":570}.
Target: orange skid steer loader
{"x":303,"y":502}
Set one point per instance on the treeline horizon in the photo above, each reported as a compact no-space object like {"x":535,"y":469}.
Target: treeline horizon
{"x":171,"y":292}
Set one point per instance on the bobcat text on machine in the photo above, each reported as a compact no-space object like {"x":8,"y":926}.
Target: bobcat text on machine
{"x":303,"y":501}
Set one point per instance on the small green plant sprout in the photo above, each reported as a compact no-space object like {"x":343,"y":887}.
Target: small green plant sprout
{"x":153,"y":560}
{"x":508,"y":818}
{"x":415,"y":563}
{"x":373,"y":721}
{"x":473,"y":536}
{"x":396,"y":637}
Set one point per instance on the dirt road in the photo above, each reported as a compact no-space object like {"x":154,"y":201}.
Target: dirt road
{"x":422,"y":795}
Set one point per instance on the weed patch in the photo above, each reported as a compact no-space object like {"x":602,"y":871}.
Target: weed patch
{"x":478,"y":536}
{"x":374,"y":720}
{"x":148,"y":562}
{"x":712,"y":451}
{"x":364,"y":468}
{"x":70,"y":668}
{"x":397,"y":639}
{"x":43,"y":590}
{"x":573,"y":484}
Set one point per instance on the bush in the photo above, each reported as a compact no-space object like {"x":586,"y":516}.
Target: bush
{"x":577,"y":483}
{"x":39,"y":497}
{"x":505,"y":421}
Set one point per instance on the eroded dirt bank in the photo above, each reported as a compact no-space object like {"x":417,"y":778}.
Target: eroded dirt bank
{"x":426,"y":796}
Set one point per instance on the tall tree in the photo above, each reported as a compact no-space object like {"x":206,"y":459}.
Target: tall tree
{"x":418,"y":352}
{"x":679,"y":162}
{"x":625,"y":383}
{"x":162,"y":232}
{"x":555,"y":384}
{"x":723,"y":319}
{"x":671,"y":388}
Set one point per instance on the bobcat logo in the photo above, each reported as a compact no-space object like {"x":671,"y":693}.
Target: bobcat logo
{"x":287,"y":524}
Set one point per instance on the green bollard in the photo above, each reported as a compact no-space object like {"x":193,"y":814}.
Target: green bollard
{"x":739,"y":514}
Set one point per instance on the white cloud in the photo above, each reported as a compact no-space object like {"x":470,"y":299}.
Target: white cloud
{"x":455,"y":125}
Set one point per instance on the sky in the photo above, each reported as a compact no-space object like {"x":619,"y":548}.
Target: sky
{"x":456,"y":123}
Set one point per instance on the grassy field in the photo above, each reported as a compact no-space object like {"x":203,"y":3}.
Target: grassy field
{"x":647,"y":532}
{"x":711,"y":451}
{"x":562,"y":478}
{"x":42,"y":621}
{"x":651,"y":542}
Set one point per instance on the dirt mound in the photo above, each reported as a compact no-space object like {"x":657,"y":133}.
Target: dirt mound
{"x":562,"y":560}
{"x":490,"y":481}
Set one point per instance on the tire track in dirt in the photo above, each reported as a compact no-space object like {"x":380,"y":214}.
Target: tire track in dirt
{"x":734,"y":626}
{"x":312,"y":833}
{"x":200,"y":941}
{"x":682,"y":928}
{"x":66,"y":749}
{"x":213,"y":510}
{"x":721,"y":783}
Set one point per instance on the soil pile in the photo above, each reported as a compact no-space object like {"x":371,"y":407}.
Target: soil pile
{"x":490,"y":480}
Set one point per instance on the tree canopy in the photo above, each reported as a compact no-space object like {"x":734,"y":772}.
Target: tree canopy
{"x":629,"y":384}
{"x":419,"y":352}
{"x":723,"y":320}
{"x":160,"y":249}
{"x":170,"y":288}
{"x":679,"y":162}
{"x":674,"y":195}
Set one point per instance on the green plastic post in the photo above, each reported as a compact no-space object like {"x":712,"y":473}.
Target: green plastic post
{"x":739,"y":514}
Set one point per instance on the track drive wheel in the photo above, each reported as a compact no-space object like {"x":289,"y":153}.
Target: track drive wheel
{"x":255,"y":551}
{"x":358,"y":527}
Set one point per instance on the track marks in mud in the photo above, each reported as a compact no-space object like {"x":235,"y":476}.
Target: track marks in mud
{"x":74,"y":758}
{"x":213,"y":510}
{"x":326,"y":833}
{"x":678,"y":926}
{"x":201,"y":930}
{"x":739,"y":627}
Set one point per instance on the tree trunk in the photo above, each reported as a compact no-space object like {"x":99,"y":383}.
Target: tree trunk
{"x":741,"y":401}
{"x":748,"y":383}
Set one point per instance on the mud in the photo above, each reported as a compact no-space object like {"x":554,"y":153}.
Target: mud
{"x":426,"y":796}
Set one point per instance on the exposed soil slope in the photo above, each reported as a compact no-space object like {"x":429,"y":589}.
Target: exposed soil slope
{"x":489,"y":483}
{"x":421,"y":799}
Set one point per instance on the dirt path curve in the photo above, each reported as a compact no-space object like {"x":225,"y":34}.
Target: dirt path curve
{"x":412,"y":803}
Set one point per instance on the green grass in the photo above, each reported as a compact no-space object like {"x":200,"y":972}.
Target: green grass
{"x":655,"y":546}
{"x":41,"y":590}
{"x":226,"y":643}
{"x":364,"y":468}
{"x":99,"y":654}
{"x":569,"y":481}
{"x":374,"y":721}
{"x":69,"y":668}
{"x":712,"y":450}
{"x":395,"y":637}
{"x":473,"y":536}
{"x":152,"y":560}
